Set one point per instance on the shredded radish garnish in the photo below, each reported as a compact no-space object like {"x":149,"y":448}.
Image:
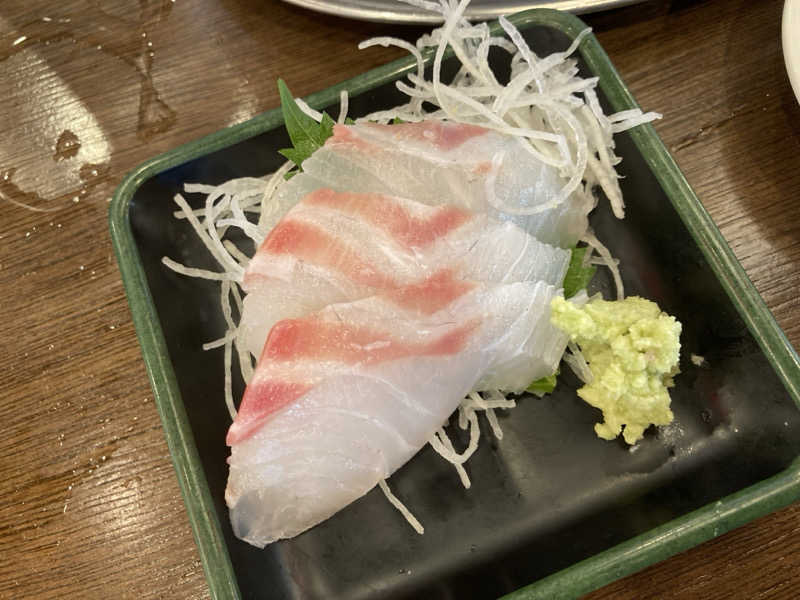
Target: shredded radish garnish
{"x":412,"y":520}
{"x":267,"y":206}
{"x":574,"y":358}
{"x":468,"y":419}
{"x":224,"y":209}
{"x":235,"y":253}
{"x":229,"y":380}
{"x":314,"y":114}
{"x":608,"y":260}
{"x":392,"y":41}
{"x":193,"y":272}
{"x":545,"y":101}
{"x":344,"y":100}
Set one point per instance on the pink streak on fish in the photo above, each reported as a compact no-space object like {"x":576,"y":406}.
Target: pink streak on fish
{"x":259,"y":402}
{"x":319,"y":247}
{"x":389,"y":215}
{"x":312,"y":339}
{"x":431,"y":295}
{"x":439,"y":134}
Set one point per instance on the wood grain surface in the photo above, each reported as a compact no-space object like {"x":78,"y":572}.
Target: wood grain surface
{"x":89,"y":504}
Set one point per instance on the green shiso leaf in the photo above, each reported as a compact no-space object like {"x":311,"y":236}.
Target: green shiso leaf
{"x":578,"y":276}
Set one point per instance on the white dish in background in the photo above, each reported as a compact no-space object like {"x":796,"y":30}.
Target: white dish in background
{"x":791,"y":43}
{"x":396,"y":11}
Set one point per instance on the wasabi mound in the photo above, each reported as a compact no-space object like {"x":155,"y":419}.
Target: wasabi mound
{"x":632,"y":348}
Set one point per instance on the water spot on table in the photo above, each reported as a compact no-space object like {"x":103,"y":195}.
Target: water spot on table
{"x":11,"y":192}
{"x":52,"y":179}
{"x":67,"y":146}
{"x":154,"y":115}
{"x":91,"y":173}
{"x":122,"y":36}
{"x":135,"y":482}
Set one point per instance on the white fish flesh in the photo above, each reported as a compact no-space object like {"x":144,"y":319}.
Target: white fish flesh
{"x":339,"y":246}
{"x":472,"y":167}
{"x":343,"y":397}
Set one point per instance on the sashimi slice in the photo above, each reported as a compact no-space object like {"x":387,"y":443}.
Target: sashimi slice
{"x":437,"y":162}
{"x":345,"y":396}
{"x":336,"y":247}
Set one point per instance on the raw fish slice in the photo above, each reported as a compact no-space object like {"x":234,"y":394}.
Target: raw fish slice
{"x":437,"y":161}
{"x":440,"y":156}
{"x":344,"y":397}
{"x":382,"y":241}
{"x":336,"y":247}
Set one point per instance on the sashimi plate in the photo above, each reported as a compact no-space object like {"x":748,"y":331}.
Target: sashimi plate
{"x":553,"y":511}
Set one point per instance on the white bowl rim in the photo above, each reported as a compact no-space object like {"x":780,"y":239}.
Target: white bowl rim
{"x":791,"y":43}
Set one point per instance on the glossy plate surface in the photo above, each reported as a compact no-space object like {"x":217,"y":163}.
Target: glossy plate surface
{"x":550,"y":503}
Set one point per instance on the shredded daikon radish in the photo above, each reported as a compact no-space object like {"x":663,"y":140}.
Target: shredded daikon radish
{"x":224,"y":208}
{"x":574,"y":358}
{"x":193,"y":272}
{"x":489,"y":412}
{"x":344,"y":101}
{"x":468,"y":419}
{"x":229,"y":380}
{"x":220,"y":342}
{"x":237,"y":254}
{"x":608,"y":260}
{"x":211,"y":240}
{"x":545,"y":101}
{"x":412,"y":520}
{"x":444,"y":446}
{"x":392,"y":41}
{"x":267,"y":206}
{"x":314,"y":114}
{"x":494,"y":423}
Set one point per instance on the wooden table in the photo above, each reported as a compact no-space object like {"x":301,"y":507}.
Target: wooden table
{"x":89,"y":504}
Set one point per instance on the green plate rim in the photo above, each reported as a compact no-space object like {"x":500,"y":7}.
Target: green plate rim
{"x":621,"y":560}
